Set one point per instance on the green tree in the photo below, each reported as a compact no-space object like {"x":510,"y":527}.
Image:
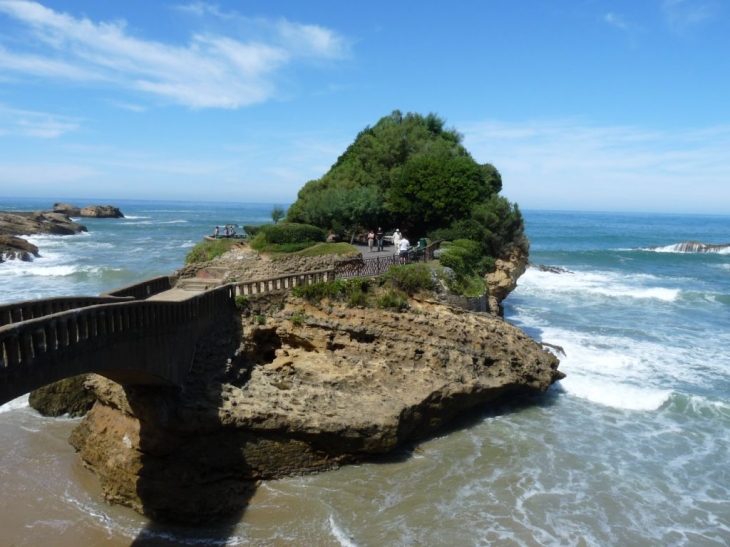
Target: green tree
{"x":277,"y":213}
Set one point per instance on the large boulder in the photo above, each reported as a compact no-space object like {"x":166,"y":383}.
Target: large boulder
{"x":67,"y":209}
{"x":308,"y":388}
{"x":64,"y":397}
{"x":503,"y":280}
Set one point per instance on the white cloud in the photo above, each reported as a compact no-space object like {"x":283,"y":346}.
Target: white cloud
{"x":212,"y":70}
{"x":27,"y":123}
{"x":681,"y":15}
{"x":572,"y":165}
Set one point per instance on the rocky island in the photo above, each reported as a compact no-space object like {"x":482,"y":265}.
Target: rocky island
{"x":303,"y":381}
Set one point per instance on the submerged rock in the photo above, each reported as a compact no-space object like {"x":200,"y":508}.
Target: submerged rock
{"x":16,"y":248}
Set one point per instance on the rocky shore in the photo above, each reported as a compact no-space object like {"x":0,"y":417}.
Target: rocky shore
{"x":289,"y":386}
{"x":55,"y":222}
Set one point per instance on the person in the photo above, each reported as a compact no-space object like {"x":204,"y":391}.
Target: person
{"x":215,"y":232}
{"x":371,"y":240}
{"x":396,"y":240}
{"x":380,"y":235}
{"x":404,"y":245}
{"x":225,"y":231}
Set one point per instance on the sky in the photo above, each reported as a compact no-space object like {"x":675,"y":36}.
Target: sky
{"x":592,"y":105}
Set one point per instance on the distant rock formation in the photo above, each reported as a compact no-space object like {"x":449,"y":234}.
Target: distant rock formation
{"x":92,"y":211}
{"x":38,"y":222}
{"x":101,"y":211}
{"x":693,"y":247}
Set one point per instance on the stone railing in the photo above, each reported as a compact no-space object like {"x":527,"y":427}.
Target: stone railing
{"x":144,"y":289}
{"x":281,"y":282}
{"x":16,"y":312}
{"x":119,"y":340}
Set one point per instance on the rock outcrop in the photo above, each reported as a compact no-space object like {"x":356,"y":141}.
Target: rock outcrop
{"x":101,"y":211}
{"x":38,"y":222}
{"x":92,"y":211}
{"x":64,"y":397}
{"x":16,"y":248}
{"x":503,"y":280}
{"x":304,"y":388}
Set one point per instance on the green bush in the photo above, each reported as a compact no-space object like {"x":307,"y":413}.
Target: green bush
{"x":411,"y":278}
{"x":252,"y":230}
{"x":353,"y":291}
{"x":208,"y":250}
{"x":241,"y":302}
{"x":290,"y":232}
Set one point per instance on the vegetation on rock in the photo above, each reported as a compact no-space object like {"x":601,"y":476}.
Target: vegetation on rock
{"x":208,"y":250}
{"x":410,"y":171}
{"x":287,"y":237}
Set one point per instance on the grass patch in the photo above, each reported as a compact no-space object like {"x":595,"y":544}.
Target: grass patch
{"x":393,"y":299}
{"x":329,"y":249}
{"x":206,"y":251}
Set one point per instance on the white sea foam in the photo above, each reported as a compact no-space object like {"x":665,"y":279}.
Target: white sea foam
{"x":340,"y":535}
{"x":614,"y":394}
{"x":15,"y":404}
{"x":608,"y":284}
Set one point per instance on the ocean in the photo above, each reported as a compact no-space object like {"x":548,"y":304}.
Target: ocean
{"x":630,"y":449}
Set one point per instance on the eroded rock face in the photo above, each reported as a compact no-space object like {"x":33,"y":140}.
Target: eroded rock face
{"x":308,"y":389}
{"x":503,"y":280}
{"x":67,"y":209}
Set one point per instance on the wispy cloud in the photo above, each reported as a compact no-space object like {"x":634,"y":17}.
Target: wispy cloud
{"x":27,"y":123}
{"x":617,"y":21}
{"x":567,"y":164}
{"x":682,"y":15}
{"x":216,"y":70}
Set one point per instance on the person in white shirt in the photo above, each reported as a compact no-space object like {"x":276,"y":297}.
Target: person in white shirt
{"x":396,"y":240}
{"x":403,"y":247}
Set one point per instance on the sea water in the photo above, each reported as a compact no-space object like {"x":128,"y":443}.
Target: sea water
{"x":630,"y":449}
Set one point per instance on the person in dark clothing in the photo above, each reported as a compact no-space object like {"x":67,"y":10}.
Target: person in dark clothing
{"x":379,"y":235}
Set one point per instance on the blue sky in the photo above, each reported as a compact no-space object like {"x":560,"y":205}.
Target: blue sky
{"x":581,"y":104}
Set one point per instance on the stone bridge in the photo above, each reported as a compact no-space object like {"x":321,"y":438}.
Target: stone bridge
{"x":142,"y":334}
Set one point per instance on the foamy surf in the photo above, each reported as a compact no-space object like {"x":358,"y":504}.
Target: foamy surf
{"x":606,"y":284}
{"x":614,"y":394}
{"x":16,"y":404}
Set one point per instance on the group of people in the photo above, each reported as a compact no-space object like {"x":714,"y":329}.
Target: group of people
{"x":401,"y":244}
{"x":226,"y":232}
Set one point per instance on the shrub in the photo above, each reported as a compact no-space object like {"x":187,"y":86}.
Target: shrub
{"x":353,"y":291}
{"x":297,"y":319}
{"x":411,"y":278}
{"x":261,"y":319}
{"x":393,"y":299}
{"x":290,"y":232}
{"x":241,"y":302}
{"x":252,"y":230}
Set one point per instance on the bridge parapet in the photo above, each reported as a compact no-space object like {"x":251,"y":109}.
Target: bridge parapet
{"x":130,"y":342}
{"x":144,"y":289}
{"x":282,"y":282}
{"x":15,"y":312}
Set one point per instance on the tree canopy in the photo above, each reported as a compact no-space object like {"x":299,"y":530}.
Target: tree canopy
{"x":412,"y":172}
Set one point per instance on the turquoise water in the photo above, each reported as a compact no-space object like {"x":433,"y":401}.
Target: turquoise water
{"x":630,"y":449}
